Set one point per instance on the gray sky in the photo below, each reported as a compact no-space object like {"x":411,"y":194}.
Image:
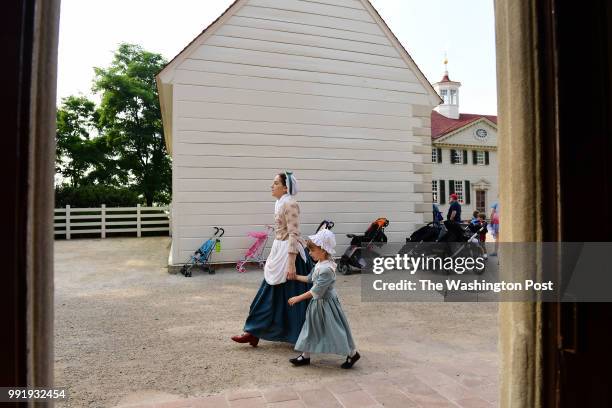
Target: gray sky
{"x":90,"y":31}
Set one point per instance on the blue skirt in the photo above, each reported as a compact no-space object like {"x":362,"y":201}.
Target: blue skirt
{"x":270,"y":317}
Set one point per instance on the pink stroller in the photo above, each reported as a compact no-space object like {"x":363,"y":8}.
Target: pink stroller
{"x":255,"y":251}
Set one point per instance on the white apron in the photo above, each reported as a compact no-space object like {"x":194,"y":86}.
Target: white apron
{"x":275,"y":269}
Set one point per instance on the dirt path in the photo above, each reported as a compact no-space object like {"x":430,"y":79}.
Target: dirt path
{"x":124,"y":326}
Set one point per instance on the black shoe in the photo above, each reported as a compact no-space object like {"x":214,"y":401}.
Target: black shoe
{"x":299,"y":361}
{"x":350,"y":361}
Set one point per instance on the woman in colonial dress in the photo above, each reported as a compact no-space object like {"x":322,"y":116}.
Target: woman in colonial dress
{"x":270,"y":317}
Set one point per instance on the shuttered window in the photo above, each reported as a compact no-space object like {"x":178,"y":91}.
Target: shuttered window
{"x":480,"y":158}
{"x":458,"y":184}
{"x":457,"y":156}
{"x":434,"y":191}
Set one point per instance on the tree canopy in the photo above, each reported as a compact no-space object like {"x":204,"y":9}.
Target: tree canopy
{"x":120,"y":142}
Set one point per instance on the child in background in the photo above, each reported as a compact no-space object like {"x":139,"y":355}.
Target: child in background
{"x":326,"y":329}
{"x":482,"y":218}
{"x":475,"y":220}
{"x":474,"y":224}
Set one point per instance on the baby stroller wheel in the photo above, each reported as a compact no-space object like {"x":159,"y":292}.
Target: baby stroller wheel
{"x":188,"y":274}
{"x":184,"y":270}
{"x":344,"y":269}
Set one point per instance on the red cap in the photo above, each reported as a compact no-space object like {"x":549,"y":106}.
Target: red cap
{"x":454,"y":196}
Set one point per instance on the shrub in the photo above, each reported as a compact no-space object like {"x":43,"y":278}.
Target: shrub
{"x":94,"y":196}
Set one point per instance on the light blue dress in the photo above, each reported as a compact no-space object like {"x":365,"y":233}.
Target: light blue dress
{"x":326,"y":329}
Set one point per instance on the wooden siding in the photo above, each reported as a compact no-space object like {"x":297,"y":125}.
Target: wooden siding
{"x":312,"y":86}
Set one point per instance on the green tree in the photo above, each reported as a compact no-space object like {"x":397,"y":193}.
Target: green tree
{"x":130,"y":119}
{"x":83,"y":157}
{"x":75,"y":151}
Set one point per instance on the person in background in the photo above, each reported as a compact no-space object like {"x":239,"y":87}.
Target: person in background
{"x":437,"y":215}
{"x":454,"y":210}
{"x":482,"y":236}
{"x":475,"y":220}
{"x":495,"y":225}
{"x":453,"y":218}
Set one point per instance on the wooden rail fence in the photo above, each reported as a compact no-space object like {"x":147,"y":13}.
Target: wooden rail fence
{"x":108,"y":220}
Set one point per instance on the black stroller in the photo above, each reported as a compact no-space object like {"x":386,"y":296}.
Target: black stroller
{"x":325,"y":224}
{"x":354,"y":255}
{"x":452,"y":240}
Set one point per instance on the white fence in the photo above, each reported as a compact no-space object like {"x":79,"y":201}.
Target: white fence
{"x":103,"y":221}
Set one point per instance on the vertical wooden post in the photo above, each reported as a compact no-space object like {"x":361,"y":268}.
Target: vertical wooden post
{"x":138,"y":227}
{"x":103,"y":221}
{"x":67,"y":222}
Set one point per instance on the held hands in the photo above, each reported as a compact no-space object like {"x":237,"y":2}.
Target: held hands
{"x":291,"y":275}
{"x":293,"y":300}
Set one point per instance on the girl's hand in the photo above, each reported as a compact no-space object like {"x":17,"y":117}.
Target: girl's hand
{"x":293,"y":300}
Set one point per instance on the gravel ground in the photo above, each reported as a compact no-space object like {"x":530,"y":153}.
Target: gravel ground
{"x":124,"y":327}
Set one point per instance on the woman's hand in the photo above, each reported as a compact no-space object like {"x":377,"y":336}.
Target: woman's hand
{"x":291,"y":267}
{"x":293,"y":300}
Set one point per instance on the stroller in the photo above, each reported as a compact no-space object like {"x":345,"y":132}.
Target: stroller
{"x":202,"y":254}
{"x":452,"y":240}
{"x":361,"y":244}
{"x":255,"y":251}
{"x":326,"y":224}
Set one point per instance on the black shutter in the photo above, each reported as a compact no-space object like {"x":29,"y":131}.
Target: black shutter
{"x":439,"y":155}
{"x":442,"y":193}
{"x":451,"y":187}
{"x":487,"y":158}
{"x":467,"y":192}
{"x":474,"y":157}
{"x":465,"y":159}
{"x":452,"y":160}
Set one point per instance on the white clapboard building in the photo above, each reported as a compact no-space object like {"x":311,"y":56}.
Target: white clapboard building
{"x":322,"y":88}
{"x":464,"y":153}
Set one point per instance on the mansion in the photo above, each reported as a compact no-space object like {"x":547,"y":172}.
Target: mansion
{"x":464,"y":154}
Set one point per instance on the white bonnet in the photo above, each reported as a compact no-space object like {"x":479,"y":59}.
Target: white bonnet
{"x":324,"y":239}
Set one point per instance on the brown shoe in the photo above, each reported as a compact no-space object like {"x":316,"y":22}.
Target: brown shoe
{"x":246,"y":338}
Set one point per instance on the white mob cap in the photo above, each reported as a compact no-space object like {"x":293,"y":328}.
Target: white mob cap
{"x":324,"y":239}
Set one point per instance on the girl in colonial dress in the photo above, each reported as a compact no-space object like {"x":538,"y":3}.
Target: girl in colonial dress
{"x":270,"y":317}
{"x":326,"y":329}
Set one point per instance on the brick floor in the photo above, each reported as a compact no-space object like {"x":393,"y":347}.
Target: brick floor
{"x":440,"y":386}
{"x":280,"y":395}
